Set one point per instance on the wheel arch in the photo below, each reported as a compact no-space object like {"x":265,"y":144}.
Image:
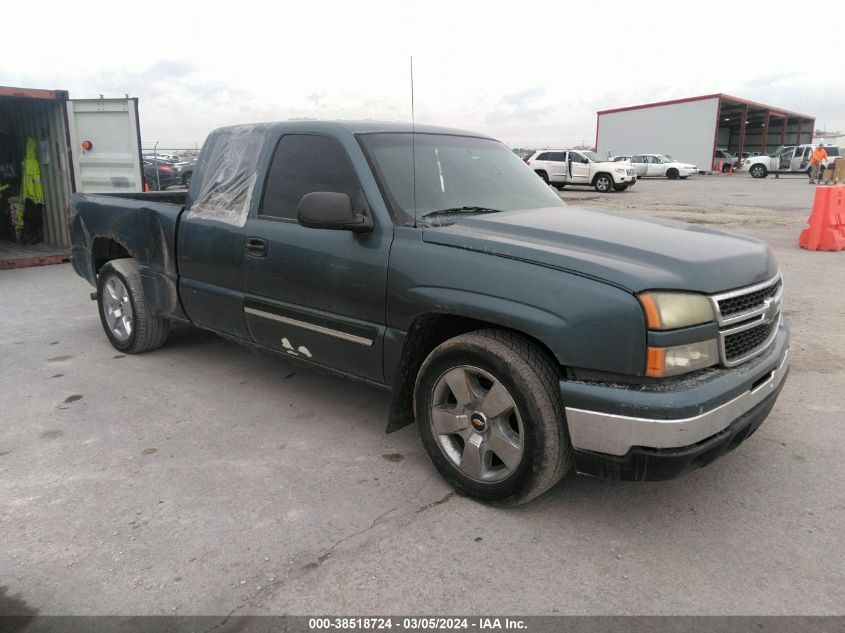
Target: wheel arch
{"x":106,"y":249}
{"x":427,"y":332}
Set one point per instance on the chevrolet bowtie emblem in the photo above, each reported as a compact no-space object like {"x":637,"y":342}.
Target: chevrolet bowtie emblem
{"x":771,"y":310}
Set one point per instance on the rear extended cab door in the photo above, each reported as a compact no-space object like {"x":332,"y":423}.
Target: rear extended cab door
{"x":317,"y":294}
{"x":210,"y":240}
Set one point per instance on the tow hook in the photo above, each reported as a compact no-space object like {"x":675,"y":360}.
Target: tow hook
{"x":93,"y":296}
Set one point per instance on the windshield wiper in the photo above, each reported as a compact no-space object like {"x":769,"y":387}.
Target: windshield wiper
{"x":458,"y":210}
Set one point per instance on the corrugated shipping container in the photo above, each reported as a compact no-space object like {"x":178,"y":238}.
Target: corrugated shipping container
{"x":59,"y":125}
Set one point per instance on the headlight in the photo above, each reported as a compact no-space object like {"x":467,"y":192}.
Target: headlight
{"x":670,"y":310}
{"x":671,"y":361}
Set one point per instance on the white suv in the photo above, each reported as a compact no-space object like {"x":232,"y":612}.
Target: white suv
{"x":561,"y":167}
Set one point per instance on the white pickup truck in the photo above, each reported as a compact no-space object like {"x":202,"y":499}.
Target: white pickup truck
{"x":561,"y":167}
{"x":789,"y":159}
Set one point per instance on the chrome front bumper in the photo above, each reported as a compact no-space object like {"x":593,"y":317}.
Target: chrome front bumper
{"x":613,"y":434}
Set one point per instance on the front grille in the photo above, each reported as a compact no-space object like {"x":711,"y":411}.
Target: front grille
{"x":748,"y":302}
{"x":743,"y":343}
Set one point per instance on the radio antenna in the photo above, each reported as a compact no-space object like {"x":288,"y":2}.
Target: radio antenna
{"x":413,"y":147}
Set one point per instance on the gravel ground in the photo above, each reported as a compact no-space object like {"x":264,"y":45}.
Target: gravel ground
{"x":206,"y":479}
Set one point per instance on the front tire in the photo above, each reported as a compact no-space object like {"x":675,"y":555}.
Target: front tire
{"x":758,"y":171}
{"x":490,"y":417}
{"x":603,"y":183}
{"x":126,"y":320}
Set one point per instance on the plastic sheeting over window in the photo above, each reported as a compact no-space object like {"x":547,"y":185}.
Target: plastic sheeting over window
{"x":229,"y":168}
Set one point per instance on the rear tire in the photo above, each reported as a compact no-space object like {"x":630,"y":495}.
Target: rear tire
{"x":672,"y":174}
{"x":505,"y":448}
{"x":126,"y":320}
{"x":758,"y":171}
{"x":603,"y":183}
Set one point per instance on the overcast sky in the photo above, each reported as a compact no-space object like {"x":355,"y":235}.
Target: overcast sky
{"x":532,"y":74}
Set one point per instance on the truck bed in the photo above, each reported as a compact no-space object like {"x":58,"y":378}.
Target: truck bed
{"x":137,"y":225}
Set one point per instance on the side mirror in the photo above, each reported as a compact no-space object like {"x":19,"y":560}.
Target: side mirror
{"x":330,"y":210}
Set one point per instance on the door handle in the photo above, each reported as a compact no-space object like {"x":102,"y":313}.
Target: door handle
{"x":256,"y":247}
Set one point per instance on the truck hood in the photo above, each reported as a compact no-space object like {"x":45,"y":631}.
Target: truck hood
{"x":635,"y":254}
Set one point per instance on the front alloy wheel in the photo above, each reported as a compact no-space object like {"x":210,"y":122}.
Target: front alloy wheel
{"x":476,"y":424}
{"x":603,"y":183}
{"x":490,"y":416}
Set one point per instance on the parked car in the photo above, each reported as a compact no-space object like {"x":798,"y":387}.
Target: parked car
{"x":159,"y":175}
{"x":639,"y":168}
{"x":561,"y":167}
{"x":525,"y":338}
{"x":664,"y":166}
{"x":165,"y":158}
{"x":186,"y":172}
{"x":725,"y":158}
{"x":788,"y":159}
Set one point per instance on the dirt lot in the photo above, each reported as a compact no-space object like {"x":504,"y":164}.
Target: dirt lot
{"x":206,"y":479}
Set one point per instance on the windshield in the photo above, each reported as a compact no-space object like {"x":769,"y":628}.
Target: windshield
{"x":592,"y":156}
{"x":461,"y":174}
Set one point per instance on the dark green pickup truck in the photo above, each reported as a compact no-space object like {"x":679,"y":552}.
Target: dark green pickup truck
{"x":523,"y":336}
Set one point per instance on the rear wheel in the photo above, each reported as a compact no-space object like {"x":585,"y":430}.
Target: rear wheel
{"x":123,"y":310}
{"x":672,"y":174}
{"x":603,"y":183}
{"x":758,"y":171}
{"x":543,"y":175}
{"x":187,"y":180}
{"x":490,"y":417}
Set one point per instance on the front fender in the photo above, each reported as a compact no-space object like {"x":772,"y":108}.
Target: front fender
{"x":583,"y":322}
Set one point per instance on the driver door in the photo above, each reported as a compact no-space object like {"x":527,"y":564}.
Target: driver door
{"x":315,"y":294}
{"x":579,"y":169}
{"x":654,"y":166}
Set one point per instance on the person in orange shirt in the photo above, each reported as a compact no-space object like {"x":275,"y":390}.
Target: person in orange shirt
{"x":819,"y":154}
